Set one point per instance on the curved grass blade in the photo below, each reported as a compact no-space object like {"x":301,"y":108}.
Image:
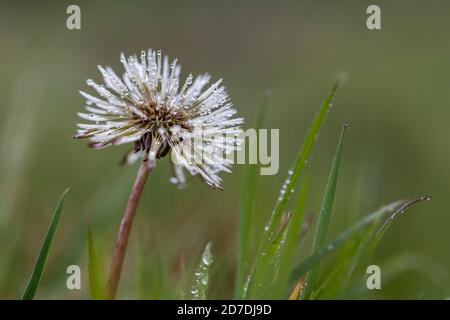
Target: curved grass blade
{"x":199,"y":290}
{"x":41,"y":260}
{"x":95,"y":287}
{"x":289,"y":185}
{"x":391,"y":219}
{"x":351,"y":285}
{"x":392,"y":208}
{"x":367,"y":248}
{"x":324,"y":219}
{"x":247,"y":201}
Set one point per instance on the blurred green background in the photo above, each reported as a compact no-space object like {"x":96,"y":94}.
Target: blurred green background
{"x":397,"y":101}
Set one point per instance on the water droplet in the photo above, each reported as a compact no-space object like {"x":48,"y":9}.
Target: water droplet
{"x":173,"y":180}
{"x":194,"y":290}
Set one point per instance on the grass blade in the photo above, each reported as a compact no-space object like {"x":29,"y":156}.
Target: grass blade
{"x":303,"y":155}
{"x":291,"y":241}
{"x":351,"y":258}
{"x":351,"y":286}
{"x":199,"y":290}
{"x":95,"y":287}
{"x":314,"y":258}
{"x":391,"y":219}
{"x":289,"y":185}
{"x":41,"y":260}
{"x":367,"y":248}
{"x":324,"y":219}
{"x":246,"y":208}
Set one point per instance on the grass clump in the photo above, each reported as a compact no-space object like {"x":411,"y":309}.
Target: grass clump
{"x":273,"y":274}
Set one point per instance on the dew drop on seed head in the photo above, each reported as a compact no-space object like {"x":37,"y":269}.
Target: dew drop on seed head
{"x":173,"y":180}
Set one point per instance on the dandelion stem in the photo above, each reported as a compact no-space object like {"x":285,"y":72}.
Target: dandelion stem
{"x":125,"y":228}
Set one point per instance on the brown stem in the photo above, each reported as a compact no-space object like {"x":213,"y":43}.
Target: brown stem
{"x":124,"y":230}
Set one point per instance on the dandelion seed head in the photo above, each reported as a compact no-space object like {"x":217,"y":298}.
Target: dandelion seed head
{"x":151,"y":108}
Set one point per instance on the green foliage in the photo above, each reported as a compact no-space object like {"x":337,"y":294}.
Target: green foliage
{"x":273,"y":275}
{"x":279,"y":268}
{"x":247,"y":201}
{"x":324,"y":220}
{"x":264,"y":257}
{"x":95,"y":274}
{"x":389,"y":210}
{"x":41,"y":260}
{"x":201,"y":276}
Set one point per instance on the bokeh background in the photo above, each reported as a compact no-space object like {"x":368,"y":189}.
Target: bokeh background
{"x":397,"y":101}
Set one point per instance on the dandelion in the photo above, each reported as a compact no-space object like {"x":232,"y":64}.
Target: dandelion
{"x":150,"y":108}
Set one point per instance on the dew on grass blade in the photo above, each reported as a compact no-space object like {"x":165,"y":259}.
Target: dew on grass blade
{"x":201,"y":275}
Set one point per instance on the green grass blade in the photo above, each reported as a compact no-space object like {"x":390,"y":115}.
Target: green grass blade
{"x":291,"y":241}
{"x":289,"y":185}
{"x":339,"y":275}
{"x":351,"y":285}
{"x":245,"y":210}
{"x":303,"y":155}
{"x":41,"y":260}
{"x":324,"y":219}
{"x":317,"y":257}
{"x":95,"y":287}
{"x":367,"y":248}
{"x":363,"y":249}
{"x":200,"y":288}
{"x":267,"y":277}
{"x":352,"y":255}
{"x":350,"y":259}
{"x":391,"y":219}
